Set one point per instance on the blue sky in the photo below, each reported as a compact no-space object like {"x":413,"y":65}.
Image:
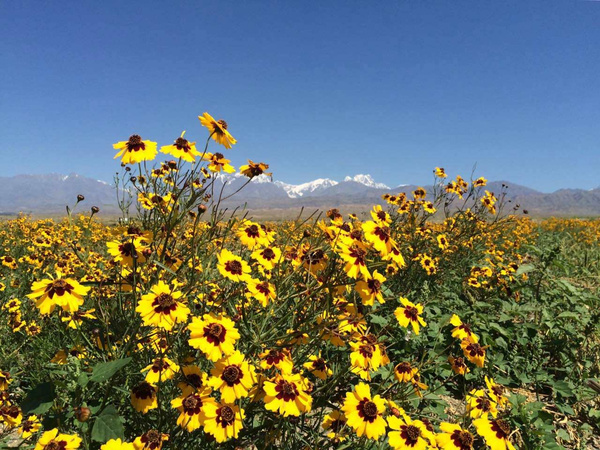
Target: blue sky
{"x":315,"y":89}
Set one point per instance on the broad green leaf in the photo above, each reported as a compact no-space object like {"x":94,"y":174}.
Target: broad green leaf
{"x":39,"y":400}
{"x":108,"y":425}
{"x":103,"y":371}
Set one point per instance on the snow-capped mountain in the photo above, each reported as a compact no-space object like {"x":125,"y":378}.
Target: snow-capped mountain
{"x":367,"y":180}
{"x":299,"y":190}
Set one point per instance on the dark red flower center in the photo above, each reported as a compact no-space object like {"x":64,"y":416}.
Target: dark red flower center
{"x":135,"y":143}
{"x":234,"y":267}
{"x":58,"y":287}
{"x":411,"y":313}
{"x":462,"y":439}
{"x":182,"y":144}
{"x":411,"y":434}
{"x":215,"y":333}
{"x":367,"y":410}
{"x":192,"y":404}
{"x":286,"y":390}
{"x":164,"y":303}
{"x":232,"y":375}
{"x":143,"y":391}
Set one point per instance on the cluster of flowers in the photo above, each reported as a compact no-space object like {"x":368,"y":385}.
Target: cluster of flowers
{"x":234,"y":326}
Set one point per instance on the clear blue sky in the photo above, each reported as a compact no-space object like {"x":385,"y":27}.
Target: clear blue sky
{"x":314,"y":88}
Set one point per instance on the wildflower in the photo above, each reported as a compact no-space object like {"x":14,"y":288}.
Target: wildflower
{"x":233,"y":376}
{"x":369,"y":289}
{"x":442,"y":242}
{"x":404,"y":372}
{"x":462,"y":330}
{"x":214,"y":335}
{"x":64,"y":292}
{"x":365,"y":413}
{"x":151,"y":440}
{"x":478,"y":405}
{"x":162,"y":369}
{"x":10,"y":415}
{"x":218,"y":130}
{"x":333,"y":423}
{"x":143,"y":397}
{"x":253,"y":169}
{"x":409,"y":434}
{"x":480,"y":182}
{"x":379,"y":236}
{"x":29,"y":427}
{"x":223,"y":421}
{"x":495,"y":432}
{"x":410,"y":314}
{"x":182,"y":148}
{"x":5,"y":380}
{"x":267,"y":257}
{"x":252,"y":234}
{"x":496,"y":391}
{"x":263,"y":291}
{"x":117,"y":444}
{"x":473,"y":351}
{"x":440,"y":172}
{"x":218,"y":162}
{"x":354,"y":254}
{"x":135,"y":150}
{"x":233,"y":267}
{"x":280,"y":359}
{"x":458,"y":364}
{"x":51,"y":440}
{"x":318,"y":367}
{"x":287,"y":394}
{"x":161,"y":307}
{"x":193,"y":377}
{"x":366,"y":357}
{"x":190,"y":405}
{"x":453,"y":437}
{"x":129,"y":251}
{"x":75,"y":319}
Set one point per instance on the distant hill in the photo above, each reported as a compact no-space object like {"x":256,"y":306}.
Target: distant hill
{"x":50,"y":193}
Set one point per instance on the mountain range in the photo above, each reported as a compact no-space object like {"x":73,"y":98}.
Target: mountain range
{"x":48,"y":194}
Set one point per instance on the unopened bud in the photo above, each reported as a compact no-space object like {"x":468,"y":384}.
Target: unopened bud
{"x":82,"y":414}
{"x":95,"y":210}
{"x":80,"y":198}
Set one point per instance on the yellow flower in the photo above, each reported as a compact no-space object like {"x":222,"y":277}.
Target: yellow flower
{"x":404,"y":372}
{"x":287,"y":394}
{"x":53,"y":440}
{"x":143,"y":397}
{"x":151,"y":440}
{"x":473,"y":351}
{"x":409,"y":434}
{"x":218,"y":130}
{"x":478,"y":405}
{"x":214,"y":335}
{"x":458,"y":365}
{"x":263,"y":291}
{"x":318,"y":367}
{"x":440,"y":172}
{"x":333,"y":423}
{"x":279,"y":358}
{"x":64,"y":292}
{"x":410,"y":314}
{"x":182,"y":148}
{"x":129,"y":250}
{"x":462,"y":330}
{"x":10,"y":415}
{"x":233,"y":376}
{"x":354,"y":254}
{"x":453,"y":437}
{"x":218,"y":162}
{"x":162,"y":369}
{"x":135,"y":150}
{"x":161,"y":307}
{"x":223,"y":421}
{"x":29,"y":427}
{"x":233,"y":267}
{"x":495,"y":432}
{"x":267,"y":257}
{"x":369,"y":289}
{"x":191,"y":406}
{"x":117,"y":444}
{"x":253,"y":169}
{"x":496,"y":391}
{"x":379,"y":236}
{"x":193,"y":377}
{"x":365,"y":413}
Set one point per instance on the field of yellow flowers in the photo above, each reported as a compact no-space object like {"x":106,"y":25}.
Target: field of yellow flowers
{"x":437,"y":322}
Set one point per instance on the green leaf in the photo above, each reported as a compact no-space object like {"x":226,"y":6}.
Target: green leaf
{"x":379,"y":320}
{"x":525,"y":268}
{"x":39,"y":400}
{"x":563,"y":388}
{"x":561,"y":433}
{"x":103,"y":371}
{"x":108,"y":425}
